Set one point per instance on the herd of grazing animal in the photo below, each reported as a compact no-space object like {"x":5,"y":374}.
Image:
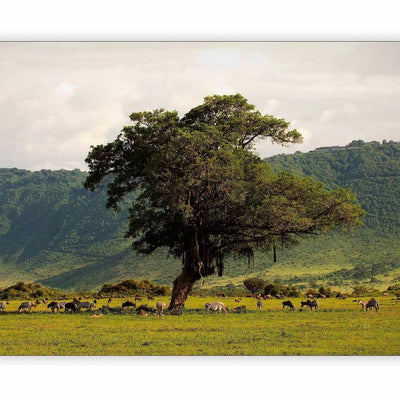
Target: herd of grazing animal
{"x":77,"y":305}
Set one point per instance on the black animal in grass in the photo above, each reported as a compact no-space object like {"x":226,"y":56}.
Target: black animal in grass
{"x":71,"y":307}
{"x":145,"y":308}
{"x":288,"y":304}
{"x":55,"y":305}
{"x":129,"y":303}
{"x":312,"y":304}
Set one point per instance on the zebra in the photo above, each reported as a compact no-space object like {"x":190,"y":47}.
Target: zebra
{"x":3,"y":305}
{"x":26,"y":305}
{"x":216,"y":306}
{"x":368,"y":305}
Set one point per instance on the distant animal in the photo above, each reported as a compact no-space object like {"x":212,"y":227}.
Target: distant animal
{"x":259,"y":304}
{"x":216,"y":306}
{"x":108,"y":302}
{"x":142,"y":313}
{"x":138,"y":298}
{"x":268,"y":296}
{"x":85,"y":304}
{"x":145,"y":308}
{"x":238,"y":300}
{"x":310,"y":295}
{"x":239,"y":309}
{"x":71,"y":306}
{"x":368,"y":305}
{"x":54,"y":305}
{"x":221,"y":294}
{"x":3,"y":305}
{"x":310,"y":303}
{"x":129,"y":303}
{"x":44,"y":301}
{"x":26,"y":305}
{"x":287,"y":303}
{"x":160,"y":307}
{"x":150,"y":297}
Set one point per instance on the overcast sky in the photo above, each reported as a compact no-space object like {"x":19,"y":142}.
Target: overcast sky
{"x":58,"y":99}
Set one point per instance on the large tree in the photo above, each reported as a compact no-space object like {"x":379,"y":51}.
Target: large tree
{"x":201,"y":191}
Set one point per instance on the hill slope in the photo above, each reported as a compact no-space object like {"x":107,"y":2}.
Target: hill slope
{"x":55,"y":232}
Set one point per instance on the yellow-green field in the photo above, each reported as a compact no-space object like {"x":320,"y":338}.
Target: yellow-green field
{"x":339,"y":327}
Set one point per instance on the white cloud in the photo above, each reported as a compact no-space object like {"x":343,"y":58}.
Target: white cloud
{"x":57,"y":99}
{"x":65,"y":89}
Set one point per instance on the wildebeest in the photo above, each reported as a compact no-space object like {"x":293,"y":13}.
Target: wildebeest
{"x":287,"y":303}
{"x":310,"y":303}
{"x":129,"y":303}
{"x":26,"y":305}
{"x":85,"y":304}
{"x":71,"y":306}
{"x":368,"y":305}
{"x":216,"y":306}
{"x":54,"y":305}
{"x":3,"y":305}
{"x":160,"y":307}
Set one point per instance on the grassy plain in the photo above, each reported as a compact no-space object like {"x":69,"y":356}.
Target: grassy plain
{"x":339,"y":327}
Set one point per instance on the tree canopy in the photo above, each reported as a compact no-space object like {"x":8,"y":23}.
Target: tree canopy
{"x":202,"y":192}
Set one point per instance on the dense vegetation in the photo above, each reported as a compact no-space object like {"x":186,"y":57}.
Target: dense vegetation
{"x":372,"y":170}
{"x":55,"y":232}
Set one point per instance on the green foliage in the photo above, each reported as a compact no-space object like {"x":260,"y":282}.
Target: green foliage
{"x":361,"y":290}
{"x":28,"y":290}
{"x":371,"y":170}
{"x":131,"y":287}
{"x":54,"y":231}
{"x":204,"y":194}
{"x":254,"y":285}
{"x":274,"y":289}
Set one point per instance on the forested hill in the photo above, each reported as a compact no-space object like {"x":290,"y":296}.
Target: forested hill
{"x":371,"y":170}
{"x":55,"y":232}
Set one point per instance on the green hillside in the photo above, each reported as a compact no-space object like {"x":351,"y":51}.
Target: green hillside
{"x":55,"y":232}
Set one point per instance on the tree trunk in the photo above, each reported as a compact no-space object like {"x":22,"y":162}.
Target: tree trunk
{"x":197,"y":263}
{"x":183,"y":284}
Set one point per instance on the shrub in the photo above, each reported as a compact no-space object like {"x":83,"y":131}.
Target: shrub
{"x":272,"y":289}
{"x":254,"y":285}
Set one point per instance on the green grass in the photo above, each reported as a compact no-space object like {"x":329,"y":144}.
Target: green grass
{"x":338,"y":328}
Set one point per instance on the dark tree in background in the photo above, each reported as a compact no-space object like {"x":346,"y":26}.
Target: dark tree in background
{"x":202,"y":192}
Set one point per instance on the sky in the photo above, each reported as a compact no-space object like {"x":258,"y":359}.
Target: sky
{"x":59,"y":98}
